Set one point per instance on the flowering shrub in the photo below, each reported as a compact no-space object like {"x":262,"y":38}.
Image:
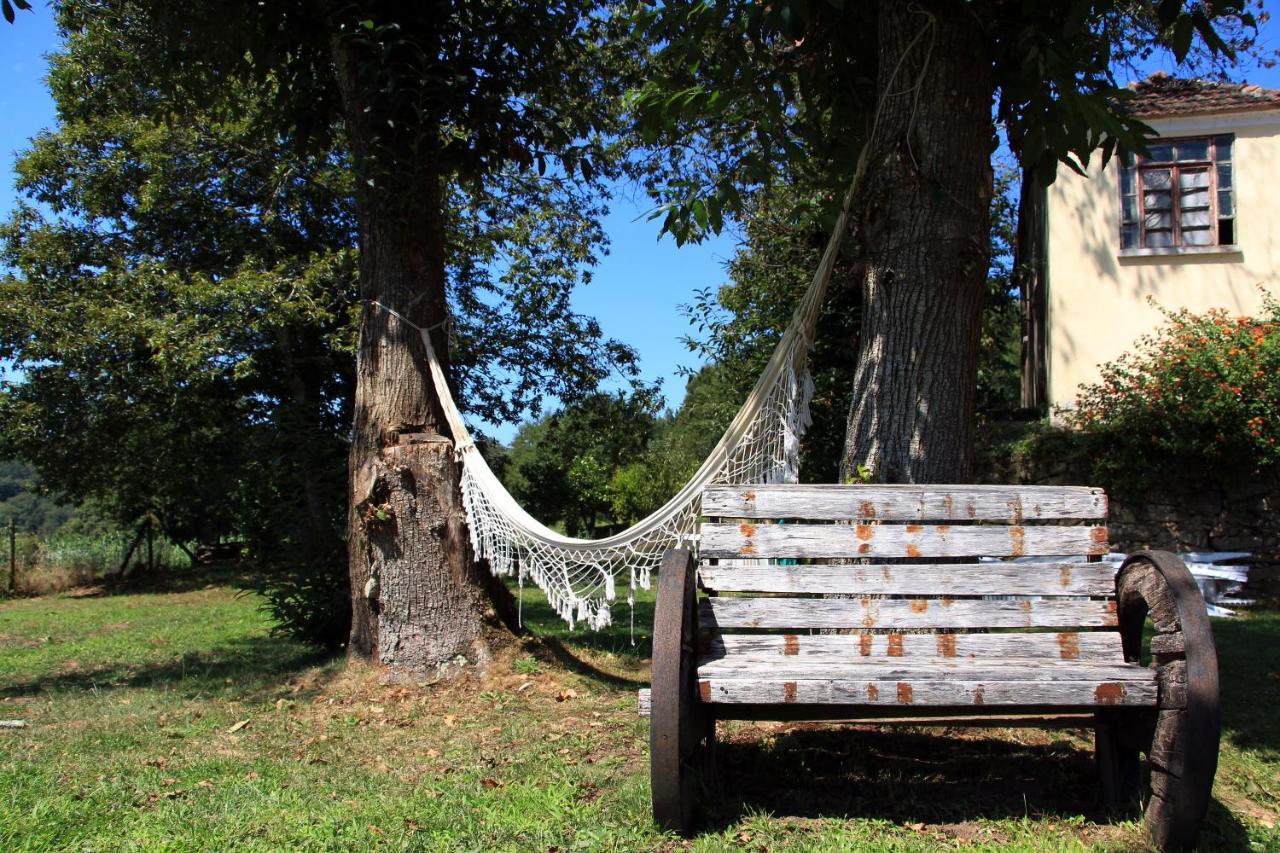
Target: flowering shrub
{"x":1200,"y":394}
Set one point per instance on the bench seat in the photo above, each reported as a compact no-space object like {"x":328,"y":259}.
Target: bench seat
{"x":924,"y":682}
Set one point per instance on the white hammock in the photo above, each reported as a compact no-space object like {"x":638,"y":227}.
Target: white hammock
{"x":579,"y":576}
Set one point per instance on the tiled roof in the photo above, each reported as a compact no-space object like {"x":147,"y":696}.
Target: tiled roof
{"x":1162,"y":95}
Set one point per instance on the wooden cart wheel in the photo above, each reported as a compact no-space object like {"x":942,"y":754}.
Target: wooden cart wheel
{"x":679,"y":727}
{"x":1182,"y":749}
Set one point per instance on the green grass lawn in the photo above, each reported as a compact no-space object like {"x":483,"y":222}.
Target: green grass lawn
{"x":173,"y":720}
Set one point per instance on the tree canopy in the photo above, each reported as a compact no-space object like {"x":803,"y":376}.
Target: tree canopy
{"x":184,"y":303}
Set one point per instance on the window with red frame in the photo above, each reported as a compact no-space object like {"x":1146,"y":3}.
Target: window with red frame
{"x":1179,"y":195}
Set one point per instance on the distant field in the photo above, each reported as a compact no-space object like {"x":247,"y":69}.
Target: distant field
{"x":172,"y":719}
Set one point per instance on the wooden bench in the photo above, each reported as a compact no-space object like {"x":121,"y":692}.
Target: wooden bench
{"x":870,"y":603}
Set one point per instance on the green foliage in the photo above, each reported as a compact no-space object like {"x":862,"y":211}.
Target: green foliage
{"x":22,"y":502}
{"x":563,"y":467}
{"x":739,"y":325}
{"x":1000,"y":338}
{"x":1198,"y":397}
{"x":743,"y":91}
{"x":739,"y":92}
{"x":184,"y":304}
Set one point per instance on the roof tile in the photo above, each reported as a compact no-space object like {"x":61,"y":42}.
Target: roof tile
{"x":1162,"y":95}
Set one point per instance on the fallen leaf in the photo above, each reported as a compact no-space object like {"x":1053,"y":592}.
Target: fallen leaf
{"x":433,"y":753}
{"x":916,"y":827}
{"x":744,"y":837}
{"x":251,"y":775}
{"x":523,"y":687}
{"x":205,"y":783}
{"x":376,"y":831}
{"x":237,"y":727}
{"x":450,"y":720}
{"x":411,"y":825}
{"x":492,"y":783}
{"x":566,"y":695}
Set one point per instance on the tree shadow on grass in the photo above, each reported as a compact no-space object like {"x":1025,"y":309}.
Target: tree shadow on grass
{"x":912,"y":776}
{"x":240,"y":666}
{"x":166,"y":580}
{"x":568,"y":646}
{"x":1249,"y":676}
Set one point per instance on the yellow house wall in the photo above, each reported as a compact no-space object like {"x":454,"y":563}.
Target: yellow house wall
{"x":1098,"y":301}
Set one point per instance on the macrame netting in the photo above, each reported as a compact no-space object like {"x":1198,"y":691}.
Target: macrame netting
{"x":580,"y":576}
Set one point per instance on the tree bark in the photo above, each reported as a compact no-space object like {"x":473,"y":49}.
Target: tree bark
{"x":417,"y":595}
{"x":924,"y":226}
{"x":1029,"y":272}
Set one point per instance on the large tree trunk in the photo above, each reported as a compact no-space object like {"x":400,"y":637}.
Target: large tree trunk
{"x":924,"y":227}
{"x":417,"y":594}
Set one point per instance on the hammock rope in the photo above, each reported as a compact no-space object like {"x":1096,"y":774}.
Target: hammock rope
{"x":580,"y":576}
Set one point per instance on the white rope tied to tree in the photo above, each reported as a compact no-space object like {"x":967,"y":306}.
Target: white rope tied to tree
{"x":580,"y":576}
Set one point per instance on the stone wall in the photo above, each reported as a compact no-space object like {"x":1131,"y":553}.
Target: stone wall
{"x":1200,"y":517}
{"x":1207,"y":519}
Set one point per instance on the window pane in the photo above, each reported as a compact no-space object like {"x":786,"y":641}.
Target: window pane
{"x":1188,"y":178}
{"x":1128,"y":236}
{"x":1195,"y":218}
{"x":1222,"y":148}
{"x":1197,"y":237}
{"x":1194,"y":198}
{"x":1225,"y":206}
{"x":1158,"y":219}
{"x":1161,"y":152}
{"x":1126,"y":181}
{"x":1157,"y":201}
{"x":1226,"y":231}
{"x":1158,"y":239}
{"x":1224,"y":175}
{"x":1157,"y":179}
{"x":1129,"y":208}
{"x":1196,"y":149}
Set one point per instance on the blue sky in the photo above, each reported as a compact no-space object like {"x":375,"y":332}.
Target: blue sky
{"x":637,"y":288}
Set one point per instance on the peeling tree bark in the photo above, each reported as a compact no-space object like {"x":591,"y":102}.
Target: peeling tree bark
{"x":924,"y":225}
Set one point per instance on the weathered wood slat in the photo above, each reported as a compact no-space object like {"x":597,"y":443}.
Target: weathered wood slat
{"x":1059,"y":645}
{"x":869,"y":613}
{"x":1008,"y":720}
{"x":906,"y":502}
{"x":925,"y":669}
{"x":897,"y":540}
{"x":1096,"y":579}
{"x":1084,"y":692}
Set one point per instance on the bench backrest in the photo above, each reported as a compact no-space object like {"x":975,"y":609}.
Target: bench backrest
{"x":908,"y":559}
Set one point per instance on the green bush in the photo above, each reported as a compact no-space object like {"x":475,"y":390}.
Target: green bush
{"x":1196,"y":399}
